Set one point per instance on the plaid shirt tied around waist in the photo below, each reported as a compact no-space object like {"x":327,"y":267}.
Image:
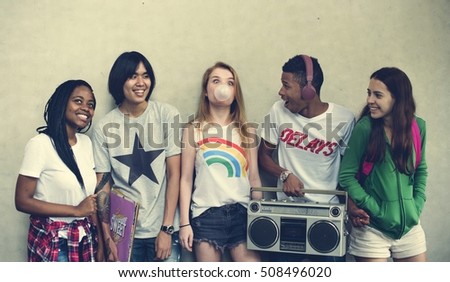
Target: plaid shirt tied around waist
{"x":43,"y":239}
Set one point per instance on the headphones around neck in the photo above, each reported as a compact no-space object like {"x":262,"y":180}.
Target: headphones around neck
{"x":308,"y":92}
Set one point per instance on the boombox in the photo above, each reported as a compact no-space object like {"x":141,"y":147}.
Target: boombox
{"x":292,"y":227}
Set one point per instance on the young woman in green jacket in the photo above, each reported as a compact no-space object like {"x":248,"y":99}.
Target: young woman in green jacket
{"x":392,"y":196}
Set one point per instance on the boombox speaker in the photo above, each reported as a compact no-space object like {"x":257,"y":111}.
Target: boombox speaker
{"x":292,"y":227}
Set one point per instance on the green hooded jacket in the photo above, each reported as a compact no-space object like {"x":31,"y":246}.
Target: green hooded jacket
{"x":393,"y":200}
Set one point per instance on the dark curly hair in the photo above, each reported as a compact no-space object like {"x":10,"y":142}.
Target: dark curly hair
{"x":296,"y":66}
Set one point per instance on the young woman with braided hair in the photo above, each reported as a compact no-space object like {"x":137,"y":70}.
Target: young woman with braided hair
{"x":57,"y":180}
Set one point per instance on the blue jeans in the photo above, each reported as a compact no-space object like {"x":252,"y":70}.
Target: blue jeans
{"x":144,"y":250}
{"x":63,"y":250}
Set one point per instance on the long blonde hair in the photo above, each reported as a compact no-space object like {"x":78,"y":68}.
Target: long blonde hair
{"x":237,"y":108}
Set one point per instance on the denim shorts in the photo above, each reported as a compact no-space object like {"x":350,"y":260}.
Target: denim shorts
{"x":223,"y":227}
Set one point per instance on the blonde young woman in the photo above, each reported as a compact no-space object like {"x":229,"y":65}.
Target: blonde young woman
{"x":221,"y":148}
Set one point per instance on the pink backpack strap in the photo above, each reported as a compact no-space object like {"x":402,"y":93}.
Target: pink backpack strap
{"x":366,"y":167}
{"x":417,"y":141}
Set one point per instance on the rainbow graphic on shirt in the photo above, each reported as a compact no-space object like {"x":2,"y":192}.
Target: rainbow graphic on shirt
{"x":218,"y":151}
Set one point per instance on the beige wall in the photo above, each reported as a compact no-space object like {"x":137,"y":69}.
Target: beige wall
{"x":47,"y":42}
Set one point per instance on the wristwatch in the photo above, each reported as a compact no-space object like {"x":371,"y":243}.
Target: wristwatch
{"x":284,"y":175}
{"x":168,"y":229}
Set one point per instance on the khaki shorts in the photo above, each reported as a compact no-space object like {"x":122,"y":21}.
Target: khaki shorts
{"x":368,"y":242}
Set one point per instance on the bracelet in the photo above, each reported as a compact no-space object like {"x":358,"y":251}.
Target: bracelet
{"x":181,"y":226}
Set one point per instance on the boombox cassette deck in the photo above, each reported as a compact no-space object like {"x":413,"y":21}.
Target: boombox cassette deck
{"x":305,"y":228}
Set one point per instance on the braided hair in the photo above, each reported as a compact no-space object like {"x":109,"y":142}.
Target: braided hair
{"x":54,"y":116}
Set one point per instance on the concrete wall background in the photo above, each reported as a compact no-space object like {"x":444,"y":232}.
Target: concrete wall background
{"x":44,"y":43}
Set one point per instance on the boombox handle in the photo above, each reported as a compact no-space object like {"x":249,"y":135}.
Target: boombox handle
{"x":311,"y":191}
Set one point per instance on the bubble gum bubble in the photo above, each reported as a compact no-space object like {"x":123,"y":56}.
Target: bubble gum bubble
{"x":222,"y":92}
